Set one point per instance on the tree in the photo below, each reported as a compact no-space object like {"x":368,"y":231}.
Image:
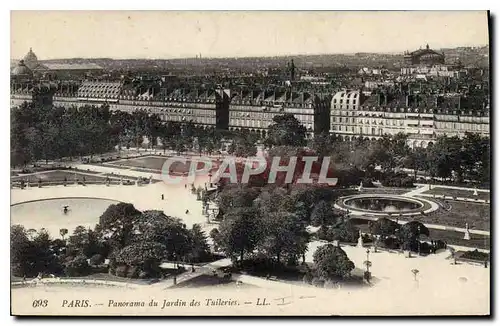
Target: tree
{"x":198,"y":244}
{"x":236,"y":196}
{"x":215,"y":235}
{"x":32,"y":255}
{"x":384,"y":227}
{"x":323,"y":144}
{"x":78,"y":267}
{"x":240,"y":231}
{"x":144,"y":255}
{"x":116,"y":223}
{"x":323,"y":214}
{"x":283,"y":236}
{"x":417,"y":160}
{"x":21,"y":252}
{"x":331,"y":263}
{"x":96,"y":259}
{"x":286,"y":131}
{"x":84,"y":242}
{"x":63,"y":232}
{"x":445,"y":156}
{"x":344,"y":231}
{"x":410,"y":232}
{"x":155,"y":226}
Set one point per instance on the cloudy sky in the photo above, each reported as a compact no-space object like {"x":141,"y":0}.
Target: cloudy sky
{"x":171,"y":34}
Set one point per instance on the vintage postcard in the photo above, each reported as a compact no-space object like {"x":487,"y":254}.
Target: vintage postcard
{"x":250,"y":163}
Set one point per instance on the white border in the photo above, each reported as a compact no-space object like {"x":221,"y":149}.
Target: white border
{"x":199,"y":5}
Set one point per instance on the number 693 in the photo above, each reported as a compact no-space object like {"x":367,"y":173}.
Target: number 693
{"x":40,"y":303}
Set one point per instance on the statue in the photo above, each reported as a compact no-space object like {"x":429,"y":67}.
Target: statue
{"x":360,"y":186}
{"x":467,"y":232}
{"x":360,"y":240}
{"x":475,"y":192}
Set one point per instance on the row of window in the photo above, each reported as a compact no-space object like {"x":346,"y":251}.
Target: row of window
{"x":444,"y":126}
{"x":341,"y":101}
{"x":260,"y":103}
{"x":358,"y":130}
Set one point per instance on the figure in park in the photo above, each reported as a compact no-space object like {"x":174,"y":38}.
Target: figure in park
{"x":65,"y":210}
{"x":162,"y":196}
{"x":65,"y":181}
{"x":39,"y":183}
{"x":467,"y":232}
{"x":187,"y":211}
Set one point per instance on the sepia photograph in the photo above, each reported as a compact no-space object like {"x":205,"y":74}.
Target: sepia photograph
{"x":250,"y":163}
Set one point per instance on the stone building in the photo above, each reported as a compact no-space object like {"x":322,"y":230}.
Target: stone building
{"x":254,"y":110}
{"x":425,"y":56}
{"x":422,"y":117}
{"x":56,"y":70}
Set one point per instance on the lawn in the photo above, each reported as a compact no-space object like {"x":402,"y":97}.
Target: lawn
{"x":156,"y":163}
{"x":148,"y":162}
{"x":457,"y":193}
{"x":476,"y":214}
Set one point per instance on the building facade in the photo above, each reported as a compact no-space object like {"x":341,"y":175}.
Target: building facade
{"x":425,"y":56}
{"x":422,"y":117}
{"x":254,"y":110}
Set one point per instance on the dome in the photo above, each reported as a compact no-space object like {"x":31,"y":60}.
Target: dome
{"x":30,"y":59}
{"x":21,"y":70}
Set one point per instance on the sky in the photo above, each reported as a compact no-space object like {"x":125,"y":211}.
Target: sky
{"x":176,"y":34}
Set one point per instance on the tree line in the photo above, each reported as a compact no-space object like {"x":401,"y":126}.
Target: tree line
{"x":460,"y":160}
{"x":51,"y":133}
{"x":134,"y":242}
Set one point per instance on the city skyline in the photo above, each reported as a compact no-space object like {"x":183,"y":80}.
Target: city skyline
{"x":120,"y":34}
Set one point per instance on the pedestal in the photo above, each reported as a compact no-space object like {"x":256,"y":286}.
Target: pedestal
{"x":467,"y":235}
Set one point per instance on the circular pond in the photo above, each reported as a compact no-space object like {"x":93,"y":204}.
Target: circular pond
{"x":49,"y":213}
{"x":384,"y":204}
